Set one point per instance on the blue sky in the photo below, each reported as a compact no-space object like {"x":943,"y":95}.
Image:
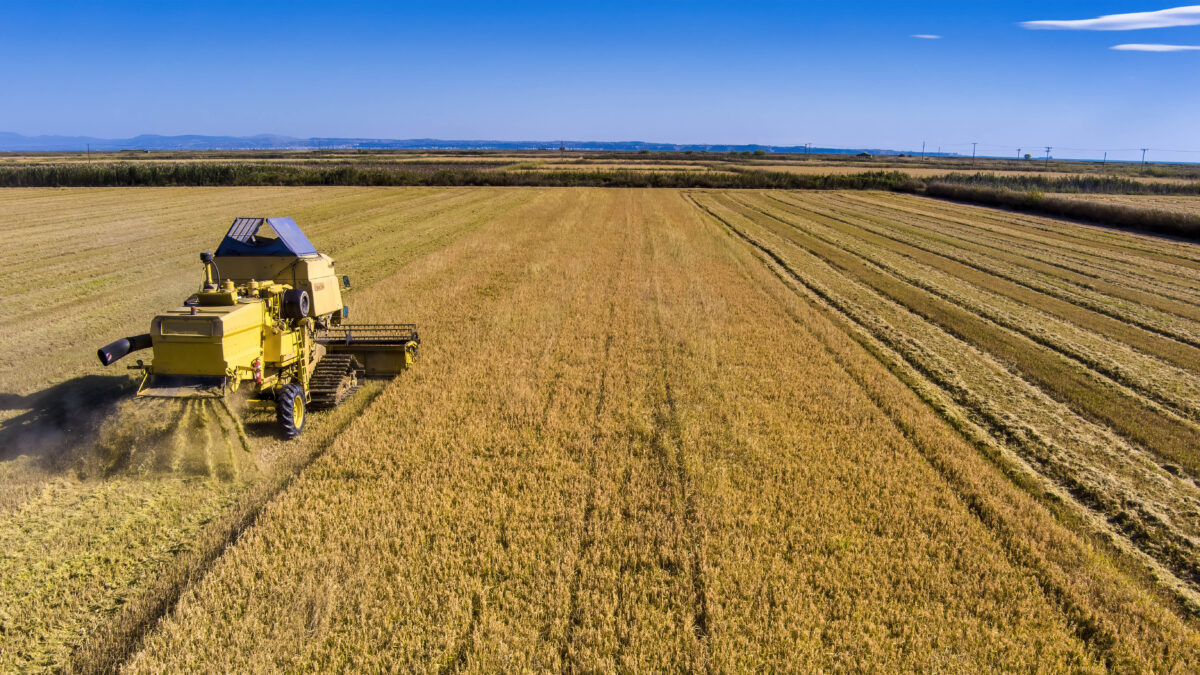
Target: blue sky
{"x":831,"y":73}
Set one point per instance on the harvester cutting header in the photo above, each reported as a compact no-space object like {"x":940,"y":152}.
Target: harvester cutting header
{"x":269,"y":312}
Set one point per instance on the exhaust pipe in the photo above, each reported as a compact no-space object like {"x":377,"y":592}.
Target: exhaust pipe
{"x":116,"y":349}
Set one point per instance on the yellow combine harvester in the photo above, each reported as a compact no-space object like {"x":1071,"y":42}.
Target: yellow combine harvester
{"x":268,"y":313}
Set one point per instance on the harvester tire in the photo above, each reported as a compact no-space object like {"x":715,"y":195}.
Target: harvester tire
{"x":291,"y":409}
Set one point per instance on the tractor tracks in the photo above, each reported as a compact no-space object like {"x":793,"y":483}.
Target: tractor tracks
{"x":669,"y":445}
{"x":458,"y":657}
{"x":588,"y":538}
{"x":668,"y":434}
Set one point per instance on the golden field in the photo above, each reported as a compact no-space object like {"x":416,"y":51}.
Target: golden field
{"x":1174,"y":203}
{"x":650,"y":429}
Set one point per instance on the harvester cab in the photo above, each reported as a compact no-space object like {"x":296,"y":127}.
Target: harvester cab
{"x":269,"y":314}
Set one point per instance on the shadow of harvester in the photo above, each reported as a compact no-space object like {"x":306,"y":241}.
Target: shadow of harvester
{"x":93,"y":426}
{"x":58,"y":421}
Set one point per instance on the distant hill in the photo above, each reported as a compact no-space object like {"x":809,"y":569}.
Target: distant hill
{"x":10,"y":142}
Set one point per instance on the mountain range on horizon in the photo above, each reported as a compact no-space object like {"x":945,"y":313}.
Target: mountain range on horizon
{"x":12,"y":142}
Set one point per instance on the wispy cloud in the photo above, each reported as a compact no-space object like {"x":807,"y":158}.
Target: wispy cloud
{"x":926,"y":36}
{"x":1155,"y":48}
{"x":1163,"y":18}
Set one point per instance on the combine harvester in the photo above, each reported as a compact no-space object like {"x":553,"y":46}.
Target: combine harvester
{"x":269,"y":313}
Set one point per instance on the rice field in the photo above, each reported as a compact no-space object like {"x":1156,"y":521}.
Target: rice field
{"x":1182,"y":204}
{"x":650,"y":429}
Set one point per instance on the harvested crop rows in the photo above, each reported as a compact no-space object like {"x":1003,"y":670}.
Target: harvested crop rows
{"x":1164,"y":203}
{"x":1095,"y":414}
{"x":650,"y":428}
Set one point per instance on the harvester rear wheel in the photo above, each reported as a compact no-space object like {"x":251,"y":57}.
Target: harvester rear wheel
{"x":290,"y":409}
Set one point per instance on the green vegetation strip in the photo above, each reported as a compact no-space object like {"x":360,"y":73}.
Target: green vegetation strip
{"x":130,"y":174}
{"x":1172,"y":438}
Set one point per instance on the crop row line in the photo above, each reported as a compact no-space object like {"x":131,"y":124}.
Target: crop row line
{"x":1162,"y":292}
{"x":588,"y":538}
{"x":1149,"y":336}
{"x":1092,"y":629}
{"x":1160,"y":432}
{"x":1154,"y":248}
{"x":667,"y":436}
{"x":1118,"y":376}
{"x":1141,"y":529}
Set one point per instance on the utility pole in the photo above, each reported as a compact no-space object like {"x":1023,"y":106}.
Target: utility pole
{"x":922,"y":150}
{"x":1018,"y":154}
{"x":1144,"y":156}
{"x":973,"y":144}
{"x":1104,"y":162}
{"x":1048,"y":149}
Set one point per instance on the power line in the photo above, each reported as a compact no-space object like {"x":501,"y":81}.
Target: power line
{"x":1072,"y":148}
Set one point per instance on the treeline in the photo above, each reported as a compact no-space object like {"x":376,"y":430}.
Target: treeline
{"x":1125,"y":216}
{"x":201,"y":174}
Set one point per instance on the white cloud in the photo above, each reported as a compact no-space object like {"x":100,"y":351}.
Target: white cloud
{"x":1163,"y":18}
{"x":1155,"y":48}
{"x":926,"y":36}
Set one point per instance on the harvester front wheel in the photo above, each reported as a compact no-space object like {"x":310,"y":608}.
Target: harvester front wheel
{"x":290,"y":409}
